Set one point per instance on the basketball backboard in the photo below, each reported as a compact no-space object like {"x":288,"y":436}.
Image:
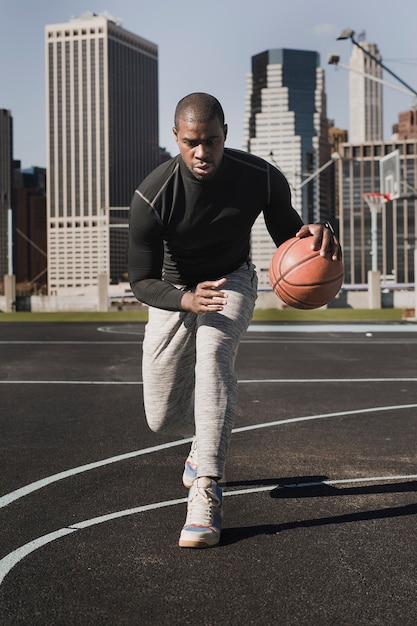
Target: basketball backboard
{"x":389,"y":173}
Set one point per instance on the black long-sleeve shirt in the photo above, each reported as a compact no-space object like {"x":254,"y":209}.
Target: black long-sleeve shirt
{"x":184,"y":231}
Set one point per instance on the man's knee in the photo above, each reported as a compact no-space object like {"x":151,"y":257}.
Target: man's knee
{"x":164,"y":422}
{"x":158,"y":423}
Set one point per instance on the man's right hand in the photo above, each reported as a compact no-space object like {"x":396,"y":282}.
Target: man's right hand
{"x":205,"y":298}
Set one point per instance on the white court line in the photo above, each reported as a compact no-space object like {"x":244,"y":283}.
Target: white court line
{"x":302,"y":327}
{"x":241,"y":382}
{"x":65,"y":343}
{"x":13,"y":558}
{"x":279,"y":327}
{"x":53,"y":478}
{"x":367,"y":338}
{"x":39,"y":484}
{"x":321,"y":327}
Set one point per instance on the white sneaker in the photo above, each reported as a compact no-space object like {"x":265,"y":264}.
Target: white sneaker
{"x":191,"y":466}
{"x":204,"y":515}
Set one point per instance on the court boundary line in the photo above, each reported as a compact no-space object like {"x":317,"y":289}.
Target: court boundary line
{"x":240,"y":382}
{"x":16,"y":494}
{"x":13,"y":558}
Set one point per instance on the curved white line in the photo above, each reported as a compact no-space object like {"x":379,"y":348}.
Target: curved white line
{"x":324,"y":415}
{"x":13,"y":558}
{"x":43,"y":482}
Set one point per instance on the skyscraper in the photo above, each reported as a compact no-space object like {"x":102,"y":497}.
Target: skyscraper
{"x":102,"y":127}
{"x":6,"y":161}
{"x":286,"y":123}
{"x":365,"y":95}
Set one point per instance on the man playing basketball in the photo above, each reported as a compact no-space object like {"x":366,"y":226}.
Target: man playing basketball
{"x":189,"y":260}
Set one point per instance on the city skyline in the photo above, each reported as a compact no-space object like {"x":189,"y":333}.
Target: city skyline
{"x":211,"y":54}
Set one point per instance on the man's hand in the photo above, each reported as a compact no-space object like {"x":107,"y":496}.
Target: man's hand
{"x":205,"y":297}
{"x":323,"y":239}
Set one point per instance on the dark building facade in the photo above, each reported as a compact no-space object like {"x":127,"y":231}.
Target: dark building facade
{"x":30,"y":239}
{"x":6,"y":165}
{"x":407,"y":125}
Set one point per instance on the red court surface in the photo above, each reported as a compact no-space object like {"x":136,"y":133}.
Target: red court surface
{"x":320,"y":493}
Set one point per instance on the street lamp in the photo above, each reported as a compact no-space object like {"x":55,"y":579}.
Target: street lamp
{"x":348,"y":33}
{"x":333,"y":157}
{"x":334,"y":59}
{"x":296,"y":187}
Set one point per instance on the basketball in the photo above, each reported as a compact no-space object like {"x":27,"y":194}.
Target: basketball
{"x":302,"y":278}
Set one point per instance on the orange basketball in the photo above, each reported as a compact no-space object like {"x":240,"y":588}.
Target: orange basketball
{"x":301,"y":277}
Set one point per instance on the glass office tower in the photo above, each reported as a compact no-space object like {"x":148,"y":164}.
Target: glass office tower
{"x":286,"y":123}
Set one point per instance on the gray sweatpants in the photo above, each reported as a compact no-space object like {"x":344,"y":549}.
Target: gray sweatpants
{"x":189,"y":382}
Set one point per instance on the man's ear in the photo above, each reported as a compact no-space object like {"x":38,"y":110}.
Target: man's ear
{"x":174,"y":130}
{"x":225,"y":131}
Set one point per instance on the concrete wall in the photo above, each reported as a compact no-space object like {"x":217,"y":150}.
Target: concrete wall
{"x":266,"y":300}
{"x":347,"y":299}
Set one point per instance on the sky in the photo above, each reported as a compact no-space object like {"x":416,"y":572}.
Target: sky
{"x":207,"y":46}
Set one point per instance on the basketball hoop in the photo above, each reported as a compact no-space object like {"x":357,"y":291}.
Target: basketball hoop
{"x":376,"y":201}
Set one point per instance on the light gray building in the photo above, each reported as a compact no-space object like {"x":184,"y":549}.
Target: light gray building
{"x":102,"y":139}
{"x":365,"y":94}
{"x":359,"y":173}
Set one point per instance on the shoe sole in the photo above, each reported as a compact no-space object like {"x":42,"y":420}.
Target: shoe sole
{"x":188,"y":543}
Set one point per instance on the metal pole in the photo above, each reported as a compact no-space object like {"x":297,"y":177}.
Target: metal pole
{"x":348,"y":33}
{"x":9,"y":242}
{"x":408,"y":92}
{"x":370,"y":55}
{"x":415,"y":280}
{"x":374,"y":239}
{"x":314,"y":174}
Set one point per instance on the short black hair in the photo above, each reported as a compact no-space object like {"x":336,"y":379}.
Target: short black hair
{"x":198,"y":107}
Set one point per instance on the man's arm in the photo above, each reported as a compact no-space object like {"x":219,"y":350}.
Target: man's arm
{"x":283,"y":221}
{"x":145,"y":258}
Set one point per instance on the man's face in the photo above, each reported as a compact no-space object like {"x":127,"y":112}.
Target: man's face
{"x":201,"y":146}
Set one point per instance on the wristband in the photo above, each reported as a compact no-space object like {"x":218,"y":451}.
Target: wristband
{"x":327,"y":224}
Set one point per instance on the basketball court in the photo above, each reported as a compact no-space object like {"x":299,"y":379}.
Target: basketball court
{"x":320,"y":493}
